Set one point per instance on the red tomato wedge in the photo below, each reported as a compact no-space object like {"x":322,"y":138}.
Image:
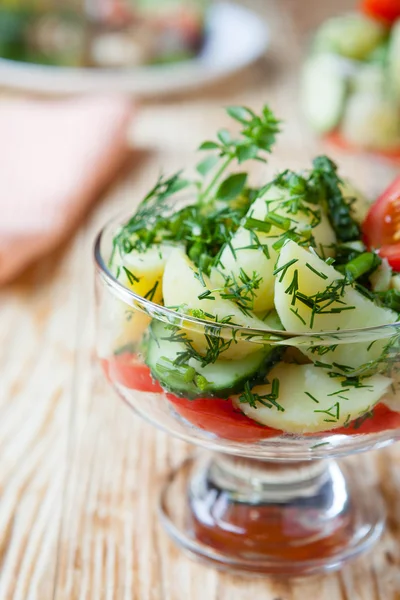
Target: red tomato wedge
{"x":218,"y":416}
{"x":381,"y":227}
{"x":336,"y":139}
{"x":392,"y":254}
{"x":385,"y":10}
{"x":127,"y":370}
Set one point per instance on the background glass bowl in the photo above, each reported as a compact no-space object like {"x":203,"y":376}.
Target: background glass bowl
{"x":265,"y":501}
{"x":218,"y":58}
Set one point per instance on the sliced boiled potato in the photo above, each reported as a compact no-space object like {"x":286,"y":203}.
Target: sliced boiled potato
{"x":392,"y":398}
{"x":371,"y":121}
{"x":273,"y":201}
{"x":381,"y":278}
{"x":305,"y":271}
{"x":142,"y":273}
{"x":183,"y":286}
{"x":311,"y":401}
{"x":360,"y":205}
{"x":395,"y":282}
{"x":237,"y":257}
{"x":250,"y":260}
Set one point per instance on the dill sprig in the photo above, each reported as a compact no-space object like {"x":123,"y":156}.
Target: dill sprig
{"x":219,"y":201}
{"x":143,"y":228}
{"x":256,"y":137}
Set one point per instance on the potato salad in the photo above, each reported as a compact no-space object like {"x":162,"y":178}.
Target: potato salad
{"x":262,"y":308}
{"x":350,"y":86}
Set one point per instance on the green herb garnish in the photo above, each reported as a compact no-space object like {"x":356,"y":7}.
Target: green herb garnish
{"x":326,"y":183}
{"x":268,"y":400}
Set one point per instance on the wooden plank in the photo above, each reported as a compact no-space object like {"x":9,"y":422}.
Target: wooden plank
{"x":38,"y":330}
{"x":79,"y":473}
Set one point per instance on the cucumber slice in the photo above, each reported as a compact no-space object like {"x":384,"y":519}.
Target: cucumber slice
{"x":353,"y":35}
{"x":309,"y":400}
{"x":191,"y":380}
{"x":323,"y":92}
{"x":394,"y":60}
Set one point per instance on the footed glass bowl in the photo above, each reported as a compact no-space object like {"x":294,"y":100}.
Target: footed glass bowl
{"x":264,"y":499}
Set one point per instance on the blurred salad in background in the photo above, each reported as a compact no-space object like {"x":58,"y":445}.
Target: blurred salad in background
{"x":351,"y":78}
{"x":104,"y":33}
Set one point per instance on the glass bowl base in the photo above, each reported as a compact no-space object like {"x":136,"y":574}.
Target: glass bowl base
{"x":292,"y":519}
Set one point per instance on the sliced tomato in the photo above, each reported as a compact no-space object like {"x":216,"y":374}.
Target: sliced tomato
{"x":336,"y":139}
{"x":385,"y":10}
{"x":219,"y":416}
{"x":392,"y":254}
{"x":381,"y":228}
{"x":130,"y":372}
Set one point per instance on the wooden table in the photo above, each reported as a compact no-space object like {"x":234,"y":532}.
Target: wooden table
{"x":79,"y":473}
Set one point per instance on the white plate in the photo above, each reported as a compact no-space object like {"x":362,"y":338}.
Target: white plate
{"x":236,"y":37}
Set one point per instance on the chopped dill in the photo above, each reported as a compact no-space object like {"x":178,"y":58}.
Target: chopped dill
{"x":322,"y":275}
{"x":333,"y":411}
{"x":268,"y":400}
{"x":283,"y":269}
{"x":150,"y":294}
{"x":313,"y":398}
{"x":131,"y":277}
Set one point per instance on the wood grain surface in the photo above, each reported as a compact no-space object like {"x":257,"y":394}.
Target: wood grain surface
{"x":79,"y":473}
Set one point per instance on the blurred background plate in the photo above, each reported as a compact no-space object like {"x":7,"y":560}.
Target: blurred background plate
{"x":236,"y":37}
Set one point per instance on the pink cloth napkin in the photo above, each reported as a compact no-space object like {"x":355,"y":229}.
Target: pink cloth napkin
{"x":54,"y":158}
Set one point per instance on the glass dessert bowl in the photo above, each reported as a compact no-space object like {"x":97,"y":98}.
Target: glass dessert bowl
{"x":276,"y":370}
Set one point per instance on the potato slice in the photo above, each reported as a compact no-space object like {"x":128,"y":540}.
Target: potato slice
{"x":250,"y":260}
{"x":237,"y":257}
{"x":372,"y":121}
{"x":311,"y":401}
{"x":311,"y":275}
{"x":360,"y":205}
{"x":142,"y":273}
{"x":183,"y":286}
